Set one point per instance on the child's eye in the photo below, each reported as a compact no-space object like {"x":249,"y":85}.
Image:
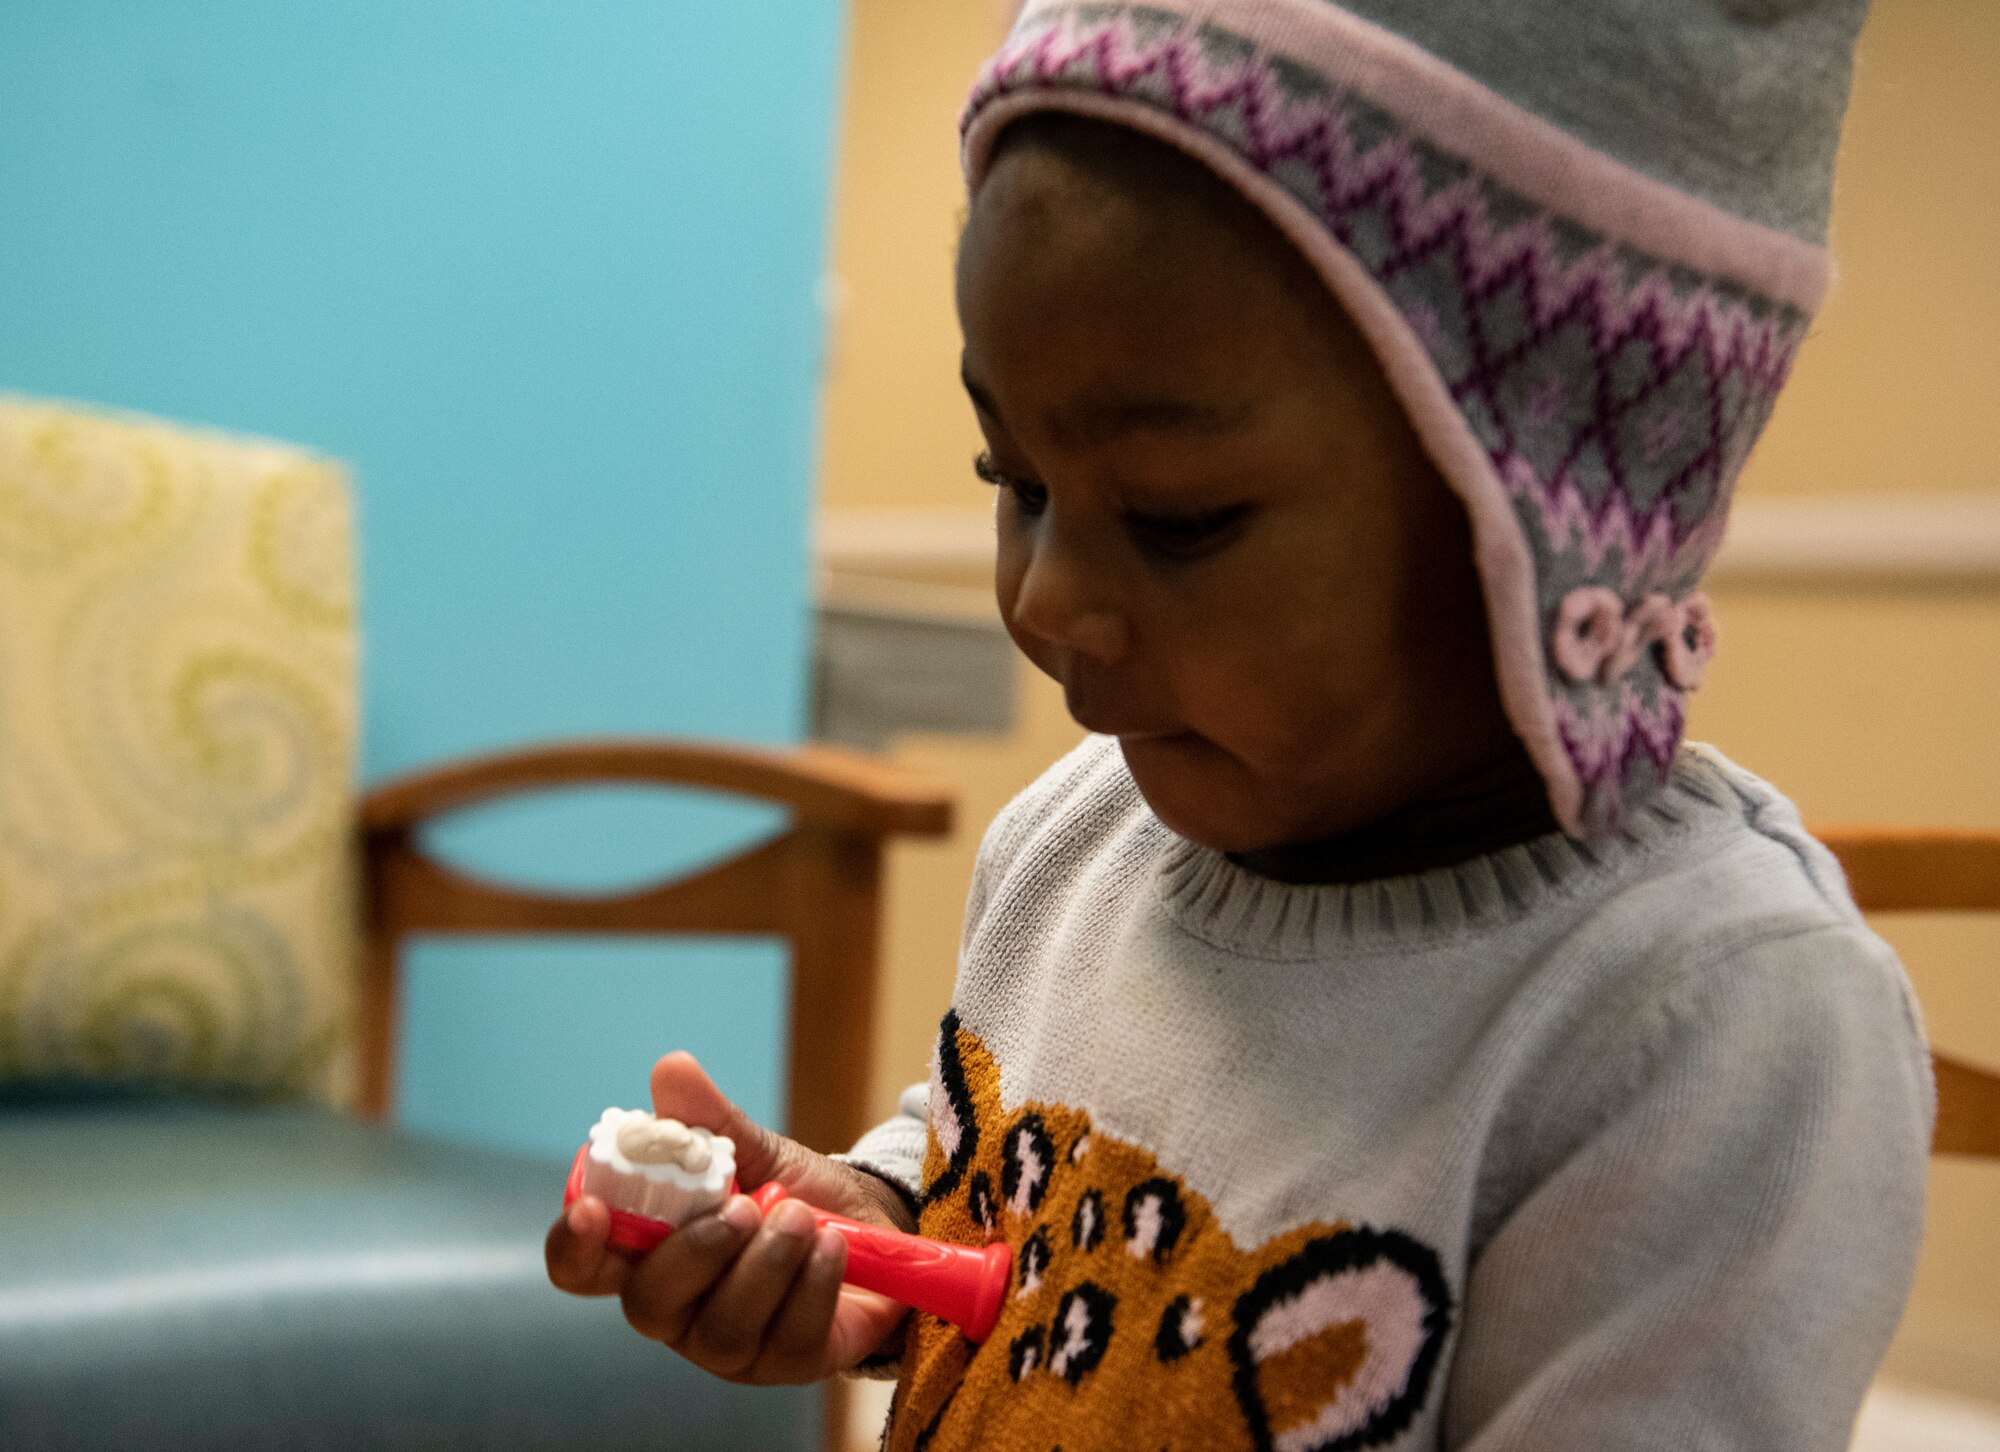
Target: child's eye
{"x":1029,"y":496}
{"x":1186,"y":537}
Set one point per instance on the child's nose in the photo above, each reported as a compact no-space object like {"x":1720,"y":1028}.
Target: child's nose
{"x":1057,"y":604}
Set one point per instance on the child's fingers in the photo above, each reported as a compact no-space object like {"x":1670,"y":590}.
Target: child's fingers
{"x":666,"y":1289}
{"x":578,"y":1252}
{"x":726,"y":1335}
{"x":796,"y":1343}
{"x":863,"y":1325}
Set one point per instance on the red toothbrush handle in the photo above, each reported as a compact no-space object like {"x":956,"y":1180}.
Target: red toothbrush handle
{"x":962,"y":1284}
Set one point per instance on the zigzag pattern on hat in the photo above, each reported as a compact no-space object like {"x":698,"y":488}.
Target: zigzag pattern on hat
{"x":1609,"y":740}
{"x":1615,"y":394}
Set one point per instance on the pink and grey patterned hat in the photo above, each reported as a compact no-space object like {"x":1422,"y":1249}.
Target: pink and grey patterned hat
{"x":1584,"y":237}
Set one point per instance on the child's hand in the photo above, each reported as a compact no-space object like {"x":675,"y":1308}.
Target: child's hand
{"x":749,"y":1298}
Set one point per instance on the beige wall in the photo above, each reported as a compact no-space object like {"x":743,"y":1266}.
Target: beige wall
{"x":1903,"y":367}
{"x":1864,"y":704}
{"x":898,"y":429}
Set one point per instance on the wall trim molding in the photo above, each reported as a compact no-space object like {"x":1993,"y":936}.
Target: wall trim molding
{"x":1883,"y":539}
{"x":944,"y":546}
{"x":1907,"y":541}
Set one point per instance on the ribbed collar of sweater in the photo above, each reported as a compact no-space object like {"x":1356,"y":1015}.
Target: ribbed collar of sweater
{"x":1241,"y":911}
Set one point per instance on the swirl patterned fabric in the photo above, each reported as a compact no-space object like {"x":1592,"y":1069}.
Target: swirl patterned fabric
{"x":177,"y":722}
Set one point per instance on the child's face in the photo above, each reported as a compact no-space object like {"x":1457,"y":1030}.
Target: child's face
{"x":1216,"y":527}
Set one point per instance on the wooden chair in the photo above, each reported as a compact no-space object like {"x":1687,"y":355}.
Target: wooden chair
{"x":817,"y":886}
{"x":1892,"y":870}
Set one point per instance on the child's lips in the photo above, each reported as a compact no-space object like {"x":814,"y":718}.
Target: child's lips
{"x":1099,"y":721}
{"x":1098,"y":726}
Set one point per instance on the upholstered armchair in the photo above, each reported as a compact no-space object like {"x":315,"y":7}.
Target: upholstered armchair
{"x":211,"y":1234}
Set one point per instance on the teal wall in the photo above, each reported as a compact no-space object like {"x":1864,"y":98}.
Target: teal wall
{"x":544,"y":273}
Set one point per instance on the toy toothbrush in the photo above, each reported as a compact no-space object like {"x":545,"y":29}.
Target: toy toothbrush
{"x":654,"y":1174}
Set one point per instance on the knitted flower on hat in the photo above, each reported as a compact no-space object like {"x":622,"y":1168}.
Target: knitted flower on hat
{"x":1585,"y":239}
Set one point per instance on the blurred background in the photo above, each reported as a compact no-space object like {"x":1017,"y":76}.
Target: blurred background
{"x":633,"y":321}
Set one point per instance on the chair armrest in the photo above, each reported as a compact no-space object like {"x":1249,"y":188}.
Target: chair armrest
{"x":1918,"y":869}
{"x":1968,"y":1109}
{"x":1928,"y":869}
{"x":823,"y":785}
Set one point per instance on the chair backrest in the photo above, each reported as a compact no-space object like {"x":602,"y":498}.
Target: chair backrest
{"x":817,"y":886}
{"x":177,"y":717}
{"x":1905,"y":870}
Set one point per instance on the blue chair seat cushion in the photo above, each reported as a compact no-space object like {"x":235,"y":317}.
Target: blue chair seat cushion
{"x":190,"y":1275}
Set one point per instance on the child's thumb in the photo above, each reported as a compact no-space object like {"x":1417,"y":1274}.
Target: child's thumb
{"x":683,"y":1091}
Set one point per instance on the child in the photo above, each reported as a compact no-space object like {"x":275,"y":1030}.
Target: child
{"x":1385,"y":1033}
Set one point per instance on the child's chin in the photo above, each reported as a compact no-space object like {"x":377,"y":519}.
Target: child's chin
{"x":1190,"y":786}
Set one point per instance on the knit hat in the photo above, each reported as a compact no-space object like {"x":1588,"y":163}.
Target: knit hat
{"x":1585,"y":239}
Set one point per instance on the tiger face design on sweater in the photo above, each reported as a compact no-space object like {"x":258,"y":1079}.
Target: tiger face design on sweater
{"x":1133,"y":1320}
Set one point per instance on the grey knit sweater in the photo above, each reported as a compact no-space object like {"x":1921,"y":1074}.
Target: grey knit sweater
{"x":1604,"y":1147}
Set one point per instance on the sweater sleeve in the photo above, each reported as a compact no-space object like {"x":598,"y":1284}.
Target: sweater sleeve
{"x":1720,"y":1258}
{"x":894,"y":1149}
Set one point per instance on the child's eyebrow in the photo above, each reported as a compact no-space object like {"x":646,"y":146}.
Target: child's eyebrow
{"x":1100,"y":420}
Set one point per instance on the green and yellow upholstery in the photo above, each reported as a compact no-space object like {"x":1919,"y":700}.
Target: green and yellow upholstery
{"x":177,"y":725}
